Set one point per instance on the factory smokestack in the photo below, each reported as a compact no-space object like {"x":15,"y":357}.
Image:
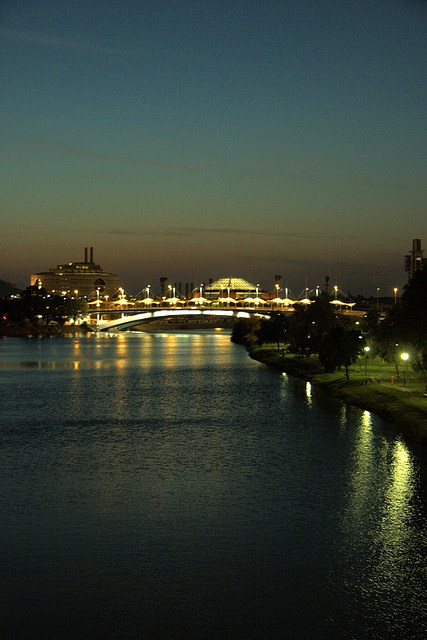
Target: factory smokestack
{"x":85,"y":254}
{"x":91,"y":255}
{"x":163,"y":280}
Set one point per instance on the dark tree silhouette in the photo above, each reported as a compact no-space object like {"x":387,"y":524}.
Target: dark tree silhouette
{"x":340,"y":348}
{"x":406,"y":323}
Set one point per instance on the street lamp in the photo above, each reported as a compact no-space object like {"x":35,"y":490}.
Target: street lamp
{"x":366,"y":350}
{"x":395,"y":294}
{"x":404,"y":357}
{"x":378,"y":298}
{"x":97,"y":305}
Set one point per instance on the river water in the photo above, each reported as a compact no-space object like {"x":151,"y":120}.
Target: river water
{"x":166,"y":486}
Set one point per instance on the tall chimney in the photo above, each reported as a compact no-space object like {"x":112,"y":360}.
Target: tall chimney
{"x":85,"y":254}
{"x":163,"y":280}
{"x":91,"y":255}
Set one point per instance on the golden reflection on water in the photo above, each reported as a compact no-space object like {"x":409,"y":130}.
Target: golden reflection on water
{"x":394,"y":526}
{"x":360,"y":485}
{"x":379,"y":510}
{"x":308,"y":393}
{"x":284,"y":386}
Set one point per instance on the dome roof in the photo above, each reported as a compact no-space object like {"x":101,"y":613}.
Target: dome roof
{"x":234,"y":284}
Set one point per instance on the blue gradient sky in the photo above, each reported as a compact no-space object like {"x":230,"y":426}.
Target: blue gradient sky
{"x":199,"y":139}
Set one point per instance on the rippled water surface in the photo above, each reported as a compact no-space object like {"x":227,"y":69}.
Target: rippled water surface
{"x":166,"y":486}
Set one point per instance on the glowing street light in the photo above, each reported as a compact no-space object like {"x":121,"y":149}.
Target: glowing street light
{"x":404,"y":357}
{"x":366,"y":350}
{"x":395,"y":294}
{"x":97,"y":305}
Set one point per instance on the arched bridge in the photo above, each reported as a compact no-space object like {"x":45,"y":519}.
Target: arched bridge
{"x":134,"y":319}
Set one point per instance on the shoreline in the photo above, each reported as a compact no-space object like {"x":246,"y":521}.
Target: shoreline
{"x":42,"y":331}
{"x":402,"y":407}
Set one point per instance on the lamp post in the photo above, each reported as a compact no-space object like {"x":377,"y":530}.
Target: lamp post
{"x":97,"y":305}
{"x":395,"y":294}
{"x":378,"y":298}
{"x":366,"y":350}
{"x":404,"y":357}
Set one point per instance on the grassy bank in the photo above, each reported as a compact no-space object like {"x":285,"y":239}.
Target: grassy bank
{"x":373,"y":385}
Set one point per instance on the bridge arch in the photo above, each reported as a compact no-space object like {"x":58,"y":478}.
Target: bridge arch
{"x":132,"y":320}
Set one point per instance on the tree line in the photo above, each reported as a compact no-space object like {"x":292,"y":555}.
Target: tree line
{"x":35,"y":307}
{"x":339,"y":340}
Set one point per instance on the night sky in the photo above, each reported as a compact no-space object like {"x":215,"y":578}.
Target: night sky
{"x":200,"y":139}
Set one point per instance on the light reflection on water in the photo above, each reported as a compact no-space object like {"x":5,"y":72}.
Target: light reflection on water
{"x":308,"y":392}
{"x":378,"y":545}
{"x":167,"y":485}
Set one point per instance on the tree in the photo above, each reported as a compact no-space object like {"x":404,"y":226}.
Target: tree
{"x":245,"y":331}
{"x":406,"y":323}
{"x":340,"y":347}
{"x":33,"y":300}
{"x":310,"y":324}
{"x":275,"y":329}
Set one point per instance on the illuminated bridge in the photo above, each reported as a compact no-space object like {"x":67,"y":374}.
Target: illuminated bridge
{"x":132,"y":318}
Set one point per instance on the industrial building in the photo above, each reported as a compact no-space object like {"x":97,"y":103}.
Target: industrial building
{"x":415,"y":261}
{"x":82,"y":279}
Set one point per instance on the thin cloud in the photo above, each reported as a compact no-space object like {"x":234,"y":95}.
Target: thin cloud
{"x":132,"y":160}
{"x":44,"y":40}
{"x":197,"y":232}
{"x":64,"y":149}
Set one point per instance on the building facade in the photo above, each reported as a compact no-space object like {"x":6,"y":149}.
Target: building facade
{"x":82,"y":279}
{"x":237,"y":288}
{"x":415,"y":261}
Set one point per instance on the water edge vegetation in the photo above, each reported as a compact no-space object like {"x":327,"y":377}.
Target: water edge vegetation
{"x":377,"y":390}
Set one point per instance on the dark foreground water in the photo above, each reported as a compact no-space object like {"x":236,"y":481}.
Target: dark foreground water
{"x":166,"y":486}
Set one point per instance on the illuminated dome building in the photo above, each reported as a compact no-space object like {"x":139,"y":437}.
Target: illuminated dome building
{"x":85,"y":278}
{"x":237,"y":288}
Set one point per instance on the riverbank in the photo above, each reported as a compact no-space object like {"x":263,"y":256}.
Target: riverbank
{"x":399,"y":400}
{"x":30,"y":330}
